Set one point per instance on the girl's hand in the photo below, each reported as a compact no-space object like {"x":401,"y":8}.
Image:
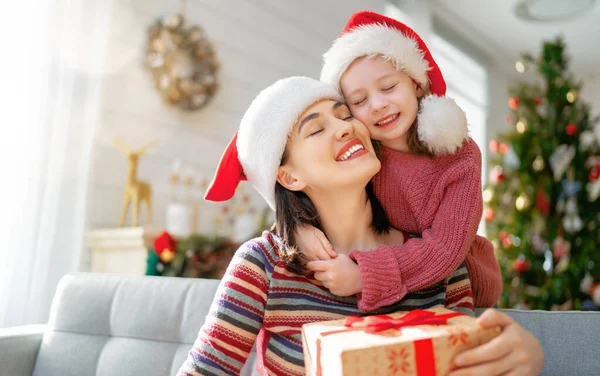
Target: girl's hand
{"x":514,"y":352}
{"x":340,"y":275}
{"x":313,"y":243}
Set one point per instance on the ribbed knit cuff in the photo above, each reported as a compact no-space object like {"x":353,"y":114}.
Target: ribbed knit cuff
{"x":381,"y":279}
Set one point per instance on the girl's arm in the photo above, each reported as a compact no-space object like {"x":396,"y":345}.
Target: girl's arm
{"x":235,"y":318}
{"x":389,"y":272}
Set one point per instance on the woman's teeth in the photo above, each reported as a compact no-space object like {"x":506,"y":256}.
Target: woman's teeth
{"x":351,"y":151}
{"x":388,"y":120}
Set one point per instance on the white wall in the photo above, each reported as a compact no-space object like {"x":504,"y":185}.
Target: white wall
{"x":257,"y":42}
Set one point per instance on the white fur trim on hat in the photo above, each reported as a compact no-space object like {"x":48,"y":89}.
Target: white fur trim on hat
{"x":442,"y":124}
{"x":374,"y":40}
{"x":266,"y":125}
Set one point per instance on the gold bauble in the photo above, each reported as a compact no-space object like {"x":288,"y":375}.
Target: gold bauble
{"x":521,"y":126}
{"x":522,"y":203}
{"x":538,"y":164}
{"x":572,"y":96}
{"x":520,"y":66}
{"x":488,"y":194}
{"x":167,"y":256}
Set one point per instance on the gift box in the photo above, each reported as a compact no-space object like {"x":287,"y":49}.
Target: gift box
{"x":419,"y":342}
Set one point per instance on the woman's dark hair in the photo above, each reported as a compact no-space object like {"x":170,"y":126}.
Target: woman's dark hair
{"x":294,"y":208}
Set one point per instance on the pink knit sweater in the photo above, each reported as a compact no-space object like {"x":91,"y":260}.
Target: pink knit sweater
{"x":440,"y":199}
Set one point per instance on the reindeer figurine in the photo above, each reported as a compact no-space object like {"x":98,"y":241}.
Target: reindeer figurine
{"x":135,"y":190}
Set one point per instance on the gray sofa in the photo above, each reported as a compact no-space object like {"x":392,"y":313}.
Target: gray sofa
{"x":109,"y":325}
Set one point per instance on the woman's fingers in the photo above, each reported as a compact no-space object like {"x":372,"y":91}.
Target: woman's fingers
{"x":497,"y":348}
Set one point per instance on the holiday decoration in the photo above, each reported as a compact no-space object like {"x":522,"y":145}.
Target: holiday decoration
{"x":182,"y":61}
{"x":420,"y":342}
{"x":571,"y":129}
{"x":165,"y":247}
{"x":544,"y":191}
{"x":136,"y":191}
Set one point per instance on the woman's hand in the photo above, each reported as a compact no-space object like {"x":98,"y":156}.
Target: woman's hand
{"x":313,"y":244}
{"x":514,"y":352}
{"x":340,"y":275}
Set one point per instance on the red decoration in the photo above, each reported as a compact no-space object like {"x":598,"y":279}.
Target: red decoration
{"x":506,"y":242}
{"x":503,"y":235}
{"x":165,"y":247}
{"x":537,"y":101}
{"x":521,"y":265}
{"x":503,"y":148}
{"x":494,"y":146}
{"x":542,"y":202}
{"x":595,"y":173}
{"x":488,"y":214}
{"x":513,"y":103}
{"x":571,"y":129}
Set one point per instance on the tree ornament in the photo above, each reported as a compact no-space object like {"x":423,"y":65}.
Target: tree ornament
{"x":503,"y":148}
{"x":521,"y":126}
{"x":521,"y":264}
{"x":496,"y":175}
{"x":513,"y":103}
{"x":542,"y":202}
{"x":523,"y":202}
{"x":594,"y":173}
{"x":511,"y":160}
{"x":571,"y":129}
{"x":537,"y":101}
{"x":587,"y":139}
{"x":572,"y":96}
{"x":586,"y":283}
{"x":488,"y":195}
{"x":561,"y":159}
{"x":562,"y":265}
{"x":520,"y":66}
{"x":538,"y":163}
{"x":488,"y":214}
{"x":494,"y":144}
{"x":560,"y":247}
{"x":593,"y":190}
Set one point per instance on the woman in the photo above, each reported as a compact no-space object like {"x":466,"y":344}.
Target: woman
{"x":312,"y":162}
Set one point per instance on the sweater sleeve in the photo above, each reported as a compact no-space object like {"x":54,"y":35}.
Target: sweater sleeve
{"x":390,"y":272}
{"x":235,"y":317}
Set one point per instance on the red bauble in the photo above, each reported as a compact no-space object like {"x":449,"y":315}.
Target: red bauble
{"x":488,"y":214}
{"x":506,"y":242}
{"x":595,"y":173}
{"x":542,"y":202}
{"x":537,"y":101}
{"x":494,"y":146}
{"x":503,"y":235}
{"x":571,"y":129}
{"x":165,"y":247}
{"x":513,"y":103}
{"x":521,"y":265}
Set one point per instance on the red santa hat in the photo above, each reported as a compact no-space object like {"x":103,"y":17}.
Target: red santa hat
{"x":254,"y":153}
{"x":442,"y":125}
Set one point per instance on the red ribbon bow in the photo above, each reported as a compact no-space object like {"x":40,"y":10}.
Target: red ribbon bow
{"x":379,"y":323}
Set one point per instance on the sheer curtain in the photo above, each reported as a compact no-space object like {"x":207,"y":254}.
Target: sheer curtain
{"x":53,"y":76}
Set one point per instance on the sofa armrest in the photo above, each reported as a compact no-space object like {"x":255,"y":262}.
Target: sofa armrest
{"x":19,"y":347}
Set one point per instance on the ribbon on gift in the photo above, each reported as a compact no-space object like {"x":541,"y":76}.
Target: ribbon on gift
{"x":425,"y":357}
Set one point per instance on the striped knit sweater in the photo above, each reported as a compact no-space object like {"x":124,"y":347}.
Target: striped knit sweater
{"x":260,"y":301}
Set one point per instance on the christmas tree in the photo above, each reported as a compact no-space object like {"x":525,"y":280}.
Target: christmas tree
{"x":541,"y":204}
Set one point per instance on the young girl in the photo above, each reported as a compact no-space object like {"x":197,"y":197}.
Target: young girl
{"x":430,"y":182}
